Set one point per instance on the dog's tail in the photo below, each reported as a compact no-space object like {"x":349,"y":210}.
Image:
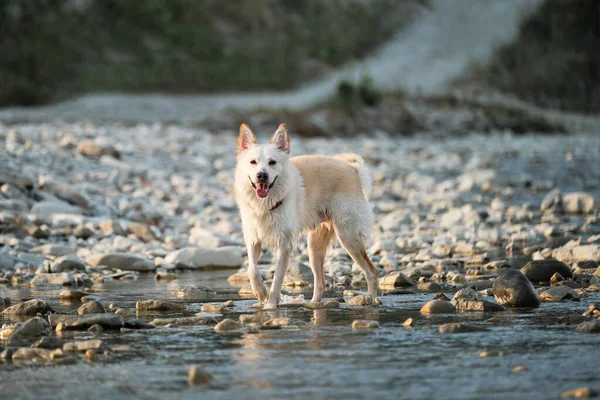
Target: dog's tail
{"x":356,"y":161}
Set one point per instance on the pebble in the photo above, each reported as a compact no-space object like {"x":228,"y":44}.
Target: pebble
{"x":198,"y":376}
{"x":227,"y":325}
{"x":31,"y":307}
{"x":158,"y":305}
{"x":364,"y":324}
{"x":363,"y":300}
{"x":437,"y":307}
{"x":408,"y":322}
{"x":460,"y":328}
{"x":226,"y":257}
{"x":91,"y":307}
{"x":579,"y":393}
{"x":559,"y":293}
{"x":122,"y":261}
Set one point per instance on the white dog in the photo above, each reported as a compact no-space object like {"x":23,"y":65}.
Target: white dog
{"x":280,"y":198}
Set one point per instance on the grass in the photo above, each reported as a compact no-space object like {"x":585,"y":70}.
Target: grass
{"x":53,"y":49}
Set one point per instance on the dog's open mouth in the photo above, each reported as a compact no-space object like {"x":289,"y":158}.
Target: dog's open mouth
{"x":262,"y":189}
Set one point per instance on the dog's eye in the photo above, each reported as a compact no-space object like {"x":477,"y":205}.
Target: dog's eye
{"x":272,"y":162}
{"x":253,"y":162}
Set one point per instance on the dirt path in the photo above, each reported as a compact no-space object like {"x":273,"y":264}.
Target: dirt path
{"x":445,"y":39}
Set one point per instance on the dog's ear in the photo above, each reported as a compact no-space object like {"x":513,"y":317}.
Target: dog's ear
{"x":281,"y":139}
{"x":245,"y":139}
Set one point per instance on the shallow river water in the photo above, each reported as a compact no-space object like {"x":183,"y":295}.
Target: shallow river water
{"x":320,"y":356}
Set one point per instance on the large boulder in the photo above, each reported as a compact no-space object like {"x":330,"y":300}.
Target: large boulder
{"x":83,"y":322}
{"x":31,"y":307}
{"x":513,"y":289}
{"x":542,"y":270}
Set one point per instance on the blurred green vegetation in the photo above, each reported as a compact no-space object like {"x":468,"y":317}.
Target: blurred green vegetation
{"x":555,"y":59}
{"x":51,"y":49}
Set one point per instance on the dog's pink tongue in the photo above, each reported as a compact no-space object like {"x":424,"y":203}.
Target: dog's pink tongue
{"x":262,"y":190}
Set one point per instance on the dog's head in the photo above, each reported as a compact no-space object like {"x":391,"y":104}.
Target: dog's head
{"x":264,"y":164}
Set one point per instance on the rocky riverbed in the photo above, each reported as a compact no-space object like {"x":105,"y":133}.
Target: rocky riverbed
{"x":122,"y":270}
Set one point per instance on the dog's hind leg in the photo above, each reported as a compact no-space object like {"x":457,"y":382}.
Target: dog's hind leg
{"x":354,"y":245}
{"x":258,"y":287}
{"x":283,"y":260}
{"x":318,"y":241}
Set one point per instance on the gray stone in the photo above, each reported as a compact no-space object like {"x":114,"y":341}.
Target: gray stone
{"x":227,"y":325}
{"x":460,"y":328}
{"x":54,"y":250}
{"x":363,"y":300}
{"x":437,"y":307}
{"x":589,"y":327}
{"x":478,"y":306}
{"x":142,"y":231}
{"x":31,"y":307}
{"x":31,"y":353}
{"x":33,"y":327}
{"x":298,"y":274}
{"x":6,"y":260}
{"x":225,"y":257}
{"x":183,"y":321}
{"x":122,"y":261}
{"x":553,"y":202}
{"x":559,"y":293}
{"x":158,"y":305}
{"x":194,"y":292}
{"x":578,"y":203}
{"x":83,"y":322}
{"x":67,"y":263}
{"x":364,"y":324}
{"x":396,"y":279}
{"x":91,"y":307}
{"x":60,"y":279}
{"x":542,"y":270}
{"x":513,"y":289}
{"x":46,"y":209}
{"x":198,"y":376}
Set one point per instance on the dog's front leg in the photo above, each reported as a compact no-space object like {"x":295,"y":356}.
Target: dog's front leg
{"x":283,"y":260}
{"x":258,"y":287}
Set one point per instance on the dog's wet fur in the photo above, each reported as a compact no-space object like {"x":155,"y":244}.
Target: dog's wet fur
{"x":281,"y":198}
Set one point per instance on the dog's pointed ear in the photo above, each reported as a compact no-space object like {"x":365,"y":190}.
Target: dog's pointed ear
{"x":281,"y":139}
{"x":245,"y":139}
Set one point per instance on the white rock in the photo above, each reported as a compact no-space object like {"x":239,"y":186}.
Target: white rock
{"x":200,"y":257}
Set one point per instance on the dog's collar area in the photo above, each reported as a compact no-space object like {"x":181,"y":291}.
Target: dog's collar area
{"x":276,"y":206}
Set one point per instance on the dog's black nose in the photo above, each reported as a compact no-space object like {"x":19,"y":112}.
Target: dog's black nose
{"x":262,"y":177}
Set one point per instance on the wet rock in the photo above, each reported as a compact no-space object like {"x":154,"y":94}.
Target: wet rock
{"x":408,"y":322}
{"x":556,"y":279}
{"x":579,"y":393}
{"x":437,"y":307}
{"x":158,"y":305}
{"x":460,"y":328}
{"x":363,"y":300}
{"x":212,"y":308}
{"x":298,"y":274}
{"x":478,"y":306}
{"x":165,"y":276}
{"x":91,"y":307}
{"x":246,"y":319}
{"x":276,"y":322}
{"x":49,"y":342}
{"x":31,"y":307}
{"x":142,"y":231}
{"x":578,"y":203}
{"x":493,"y":353}
{"x":83,"y":322}
{"x":137,"y":324}
{"x":198,"y":376}
{"x":60,"y":279}
{"x":194,"y":292}
{"x":227,"y":257}
{"x":123,"y":312}
{"x":91,"y":356}
{"x":553,"y":202}
{"x":7,"y":354}
{"x":96,"y":345}
{"x":31,"y":328}
{"x":96,"y":329}
{"x":122,"y":261}
{"x":465,"y":294}
{"x":364,"y":324}
{"x":227,"y":325}
{"x":72,"y":295}
{"x":593,"y":311}
{"x":183,"y":321}
{"x":589,"y":327}
{"x":396,"y":279}
{"x":559,"y":293}
{"x":519,"y":368}
{"x":441,"y":296}
{"x":31,"y":353}
{"x":429,"y":287}
{"x":67,"y":263}
{"x":513,"y":289}
{"x":542,"y":270}
{"x":330,"y":304}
